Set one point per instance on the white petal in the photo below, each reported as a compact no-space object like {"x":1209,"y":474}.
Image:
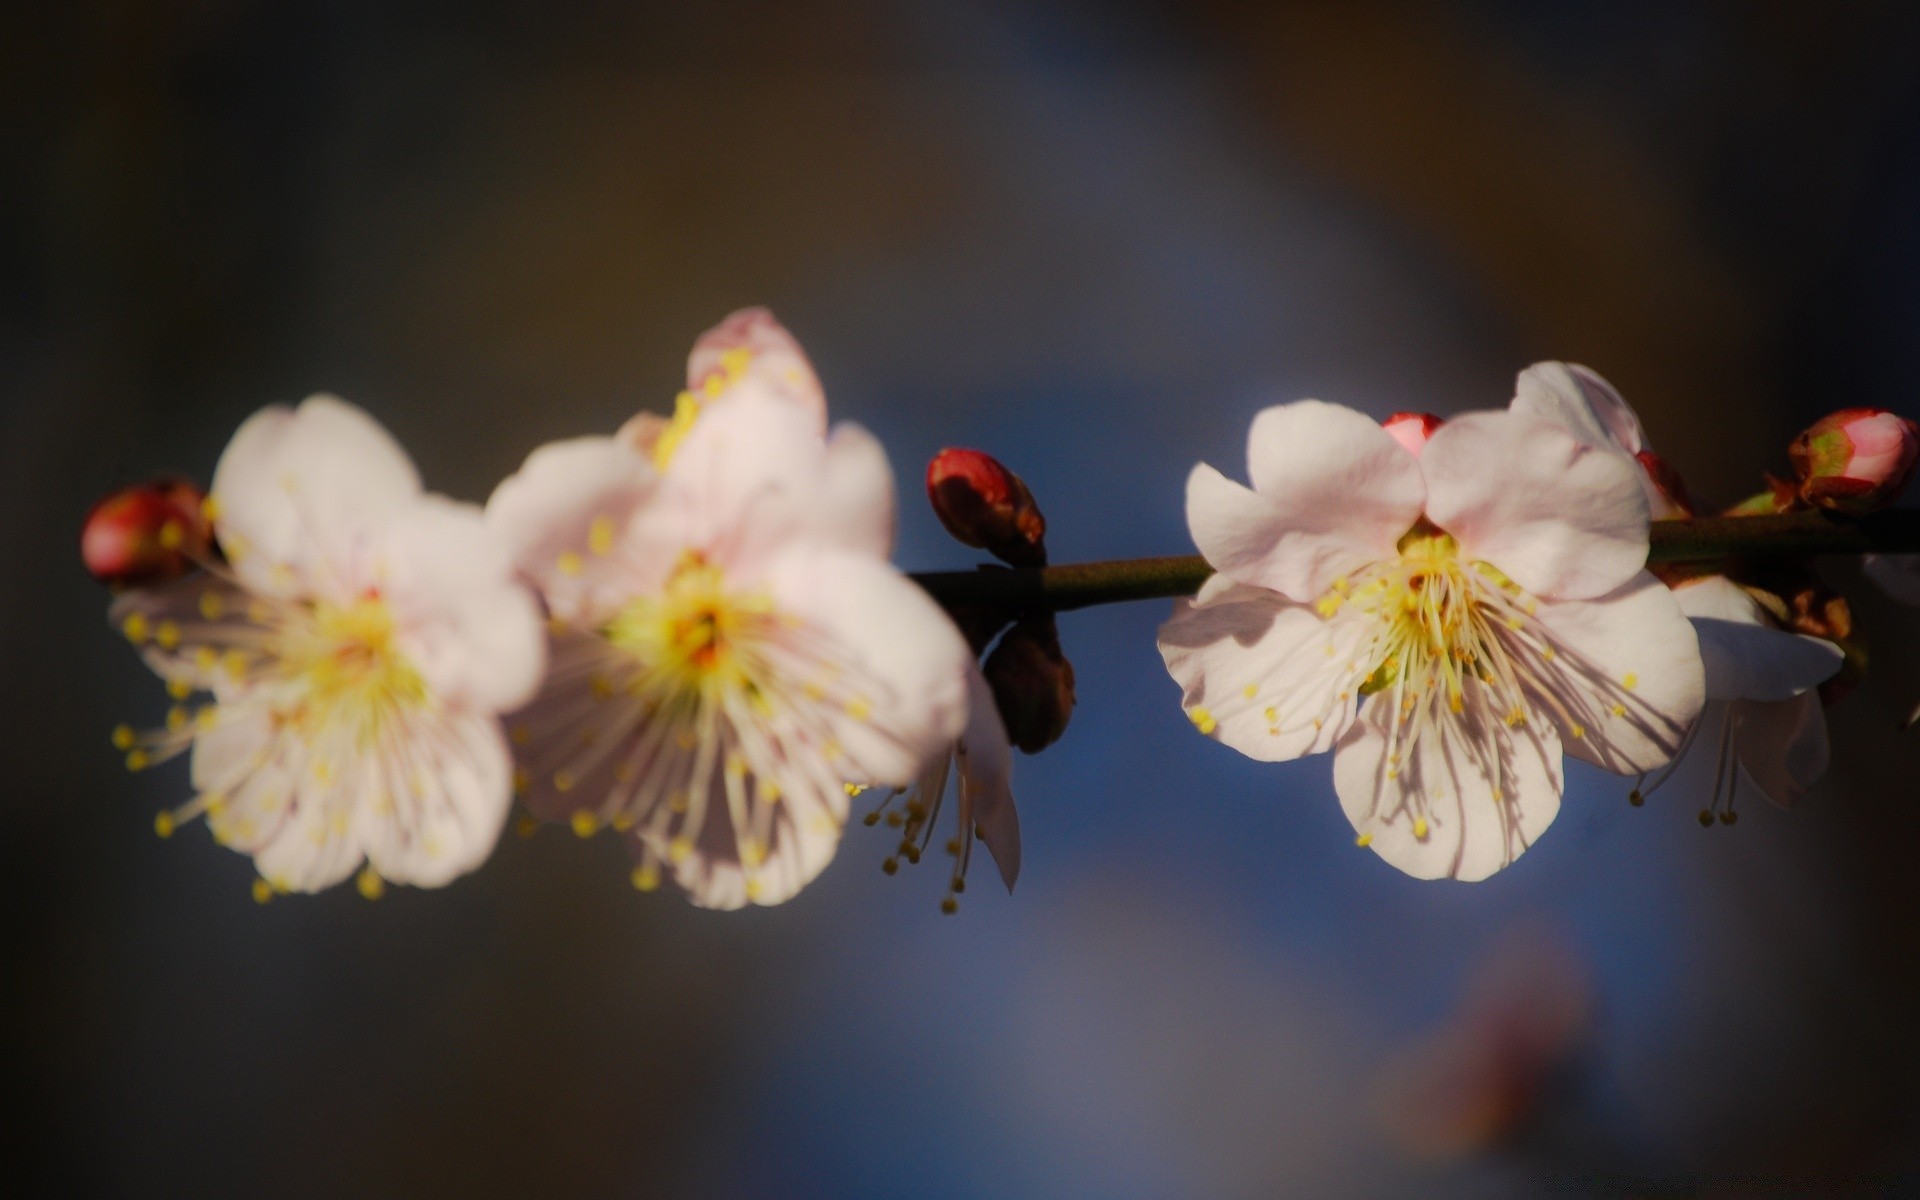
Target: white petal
{"x":1626,"y":673}
{"x":1332,"y":491}
{"x":463,"y":620}
{"x":855,"y":508}
{"x":1897,"y":574}
{"x":1486,"y":791}
{"x":1562,"y":519}
{"x":1745,"y":657}
{"x":305,"y":850}
{"x":236,"y":746}
{"x":1576,"y":396}
{"x":1782,"y":746}
{"x":752,"y":349}
{"x":563,"y":516}
{"x":297,"y":491}
{"x":1299,"y":669}
{"x":749,"y":479}
{"x":445,"y":820}
{"x":803,"y":838}
{"x":986,"y":780}
{"x":888,"y":636}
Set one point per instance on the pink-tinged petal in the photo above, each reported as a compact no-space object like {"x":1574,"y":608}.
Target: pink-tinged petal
{"x":234,"y":748}
{"x":297,"y":492}
{"x":750,"y":348}
{"x":447,"y":823}
{"x":986,"y":780}
{"x":805,"y":835}
{"x":1897,"y":574}
{"x":1576,"y":397}
{"x":1463,"y":802}
{"x":1624,"y":683}
{"x":1586,"y":404}
{"x":305,"y":851}
{"x":1332,"y":492}
{"x":1745,"y":657}
{"x":1263,"y":675}
{"x":1563,"y":520}
{"x":563,"y":516}
{"x":887,"y":638}
{"x":462,"y":618}
{"x":854,"y":509}
{"x":1782,"y":746}
{"x":744,"y":483}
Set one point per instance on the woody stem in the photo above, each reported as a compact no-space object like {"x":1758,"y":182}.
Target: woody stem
{"x":1697,"y":539}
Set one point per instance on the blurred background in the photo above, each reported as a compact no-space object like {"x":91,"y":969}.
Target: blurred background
{"x":1094,"y":240}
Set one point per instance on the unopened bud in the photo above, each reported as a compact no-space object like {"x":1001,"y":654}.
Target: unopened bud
{"x":984,"y":505}
{"x":1032,"y":684}
{"x":1412,"y":429}
{"x":1856,"y":460}
{"x":147,"y":532}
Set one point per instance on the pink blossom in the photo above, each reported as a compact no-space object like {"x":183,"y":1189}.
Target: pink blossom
{"x":357,"y":648}
{"x":1445,"y":625}
{"x":732,"y":652}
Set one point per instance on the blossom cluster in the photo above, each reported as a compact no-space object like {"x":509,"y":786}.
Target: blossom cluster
{"x":688,"y":633}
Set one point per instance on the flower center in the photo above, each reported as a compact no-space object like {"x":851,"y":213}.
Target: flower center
{"x":1436,"y":615}
{"x":691,"y":636}
{"x":352,"y":675}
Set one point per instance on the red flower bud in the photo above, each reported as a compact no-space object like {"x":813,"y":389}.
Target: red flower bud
{"x":1032,"y":683}
{"x":1668,"y":483}
{"x":1412,"y":429}
{"x":1856,"y":460}
{"x":984,"y":505}
{"x":146,"y":532}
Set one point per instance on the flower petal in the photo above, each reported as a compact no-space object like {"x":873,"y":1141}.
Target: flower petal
{"x":986,"y":779}
{"x":855,"y":506}
{"x":804,"y":836}
{"x":1332,"y":491}
{"x":1576,"y":397}
{"x":1562,"y":519}
{"x":1468,"y":799}
{"x":443,"y":818}
{"x":1625,"y":681}
{"x":465,"y":622}
{"x":562,"y":519}
{"x":1745,"y":657}
{"x":1261,"y":674}
{"x":296,"y":491}
{"x":752,"y":477}
{"x":1782,"y":745}
{"x":886,"y":635}
{"x":750,"y":348}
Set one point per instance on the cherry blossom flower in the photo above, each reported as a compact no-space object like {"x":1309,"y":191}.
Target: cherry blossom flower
{"x":1447,"y":625}
{"x":1763,"y":720}
{"x":357,"y":646}
{"x":732,"y":653}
